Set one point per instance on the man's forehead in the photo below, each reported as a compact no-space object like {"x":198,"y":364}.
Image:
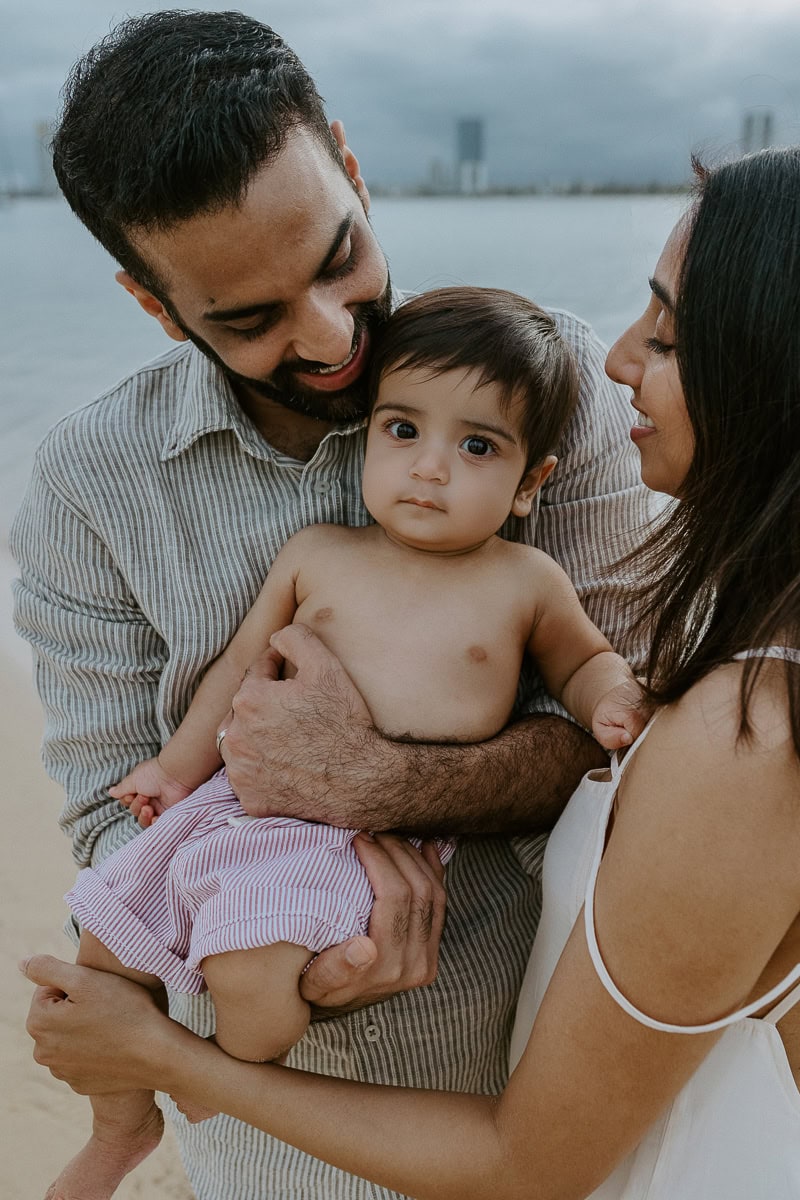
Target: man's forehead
{"x":285,"y":226}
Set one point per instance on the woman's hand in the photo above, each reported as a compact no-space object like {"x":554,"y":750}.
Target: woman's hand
{"x":97,"y":1031}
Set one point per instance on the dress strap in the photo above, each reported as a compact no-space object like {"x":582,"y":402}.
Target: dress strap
{"x":791,"y":981}
{"x":773,"y":994}
{"x":783,"y":1006}
{"x":787,"y":653}
{"x":619,"y":765}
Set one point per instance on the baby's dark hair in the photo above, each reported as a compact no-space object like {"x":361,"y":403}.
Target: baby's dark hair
{"x":507,"y":339}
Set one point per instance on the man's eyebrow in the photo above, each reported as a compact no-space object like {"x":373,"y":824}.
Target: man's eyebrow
{"x":265,"y":306}
{"x":662,"y":294}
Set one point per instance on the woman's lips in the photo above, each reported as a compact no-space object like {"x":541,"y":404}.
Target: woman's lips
{"x":643,"y":427}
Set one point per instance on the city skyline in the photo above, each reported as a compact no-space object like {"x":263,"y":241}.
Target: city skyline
{"x":611,"y":93}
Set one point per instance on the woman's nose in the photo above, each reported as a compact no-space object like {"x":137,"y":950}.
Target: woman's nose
{"x":623,"y":362}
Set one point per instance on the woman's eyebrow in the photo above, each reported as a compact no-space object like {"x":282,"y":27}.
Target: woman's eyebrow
{"x":661,"y":293}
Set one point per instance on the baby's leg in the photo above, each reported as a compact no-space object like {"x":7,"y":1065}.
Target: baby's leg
{"x":260,"y":1012}
{"x":126,"y":1127}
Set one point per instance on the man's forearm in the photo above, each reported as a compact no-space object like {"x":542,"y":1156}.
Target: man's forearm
{"x":518,"y":782}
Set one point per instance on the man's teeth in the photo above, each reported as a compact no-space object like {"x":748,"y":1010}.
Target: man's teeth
{"x":643,"y":419}
{"x":336,"y":366}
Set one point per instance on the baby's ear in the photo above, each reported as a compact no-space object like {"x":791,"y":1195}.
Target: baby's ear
{"x":531,"y":482}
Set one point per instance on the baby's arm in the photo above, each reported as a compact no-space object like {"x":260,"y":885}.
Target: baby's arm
{"x":191,"y":756}
{"x":578,"y":664}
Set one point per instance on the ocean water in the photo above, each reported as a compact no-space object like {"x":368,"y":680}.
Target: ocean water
{"x":68,"y":331}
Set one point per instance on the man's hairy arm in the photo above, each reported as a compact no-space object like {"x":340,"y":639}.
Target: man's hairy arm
{"x":519,"y":782}
{"x":307,"y":747}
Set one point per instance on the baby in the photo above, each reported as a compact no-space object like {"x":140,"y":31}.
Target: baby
{"x":431,"y":613}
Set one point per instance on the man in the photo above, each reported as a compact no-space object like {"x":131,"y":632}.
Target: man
{"x":195,"y":147}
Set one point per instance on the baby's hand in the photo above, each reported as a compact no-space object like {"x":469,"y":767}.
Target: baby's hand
{"x":149,"y":791}
{"x":620,"y":715}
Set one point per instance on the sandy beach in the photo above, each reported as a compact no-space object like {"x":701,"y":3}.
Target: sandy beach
{"x":43,"y":1122}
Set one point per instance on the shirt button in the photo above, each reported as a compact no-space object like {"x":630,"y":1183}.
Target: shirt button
{"x":323,"y":487}
{"x":372,"y":1033}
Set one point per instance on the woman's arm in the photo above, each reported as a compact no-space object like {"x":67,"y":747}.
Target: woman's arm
{"x":680,"y":934}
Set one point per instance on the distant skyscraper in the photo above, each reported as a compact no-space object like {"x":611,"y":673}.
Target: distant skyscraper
{"x":47,"y":184}
{"x":756,"y":131}
{"x":470,"y":151}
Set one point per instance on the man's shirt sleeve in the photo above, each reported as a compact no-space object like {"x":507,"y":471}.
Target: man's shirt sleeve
{"x":97,"y":663}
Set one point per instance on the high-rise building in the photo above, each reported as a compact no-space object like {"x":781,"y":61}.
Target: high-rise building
{"x":47,"y":184}
{"x":471,"y":171}
{"x":756,"y":131}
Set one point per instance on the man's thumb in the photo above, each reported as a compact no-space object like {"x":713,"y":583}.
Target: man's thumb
{"x":336,"y":969}
{"x":300,"y":646}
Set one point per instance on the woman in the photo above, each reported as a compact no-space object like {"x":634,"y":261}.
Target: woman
{"x":658,"y":1064}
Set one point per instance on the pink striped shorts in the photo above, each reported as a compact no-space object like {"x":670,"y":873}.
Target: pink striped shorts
{"x":206,"y":878}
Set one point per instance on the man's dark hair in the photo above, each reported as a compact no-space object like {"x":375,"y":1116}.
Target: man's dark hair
{"x":172,"y":114}
{"x":505,"y":338}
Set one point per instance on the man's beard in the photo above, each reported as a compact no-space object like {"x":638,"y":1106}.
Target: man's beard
{"x":350,"y":404}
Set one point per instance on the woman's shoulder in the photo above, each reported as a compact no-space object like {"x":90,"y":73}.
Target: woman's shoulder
{"x":711,"y":711}
{"x":703,"y":746}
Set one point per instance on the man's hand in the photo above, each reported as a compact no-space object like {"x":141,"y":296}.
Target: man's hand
{"x":405,"y":929}
{"x":288,"y":739}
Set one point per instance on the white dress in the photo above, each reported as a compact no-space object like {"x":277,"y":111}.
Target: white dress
{"x":733,"y":1131}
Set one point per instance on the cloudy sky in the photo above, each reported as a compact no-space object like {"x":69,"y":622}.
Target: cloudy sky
{"x":591,"y":90}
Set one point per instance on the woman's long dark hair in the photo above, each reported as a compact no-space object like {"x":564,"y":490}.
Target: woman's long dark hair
{"x":726,"y":562}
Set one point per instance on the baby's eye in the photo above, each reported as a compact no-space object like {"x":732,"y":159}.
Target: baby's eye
{"x":402,"y":429}
{"x":478,"y":446}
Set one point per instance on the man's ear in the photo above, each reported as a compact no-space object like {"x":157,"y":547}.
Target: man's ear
{"x":531,"y":482}
{"x":151,"y":305}
{"x":350,"y":162}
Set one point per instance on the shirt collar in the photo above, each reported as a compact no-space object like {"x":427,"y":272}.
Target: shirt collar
{"x":209,"y":405}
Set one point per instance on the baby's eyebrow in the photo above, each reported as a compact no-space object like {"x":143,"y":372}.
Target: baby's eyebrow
{"x":488,"y":427}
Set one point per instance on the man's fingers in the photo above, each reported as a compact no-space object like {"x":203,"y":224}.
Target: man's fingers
{"x":431,"y":856}
{"x":408,"y":914}
{"x":417,"y":884}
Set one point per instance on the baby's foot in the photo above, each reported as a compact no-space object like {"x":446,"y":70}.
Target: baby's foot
{"x":97,"y":1170}
{"x":194,"y":1113}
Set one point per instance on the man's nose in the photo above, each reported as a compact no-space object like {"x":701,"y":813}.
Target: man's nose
{"x":323,"y":330}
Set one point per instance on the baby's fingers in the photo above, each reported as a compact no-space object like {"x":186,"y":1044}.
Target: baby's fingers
{"x":125,"y":787}
{"x":141,"y":807}
{"x":126,"y":798}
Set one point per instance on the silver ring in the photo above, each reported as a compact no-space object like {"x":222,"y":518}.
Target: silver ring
{"x":220,"y":736}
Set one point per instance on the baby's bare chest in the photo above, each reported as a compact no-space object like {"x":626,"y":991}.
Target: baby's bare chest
{"x":434,"y":653}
